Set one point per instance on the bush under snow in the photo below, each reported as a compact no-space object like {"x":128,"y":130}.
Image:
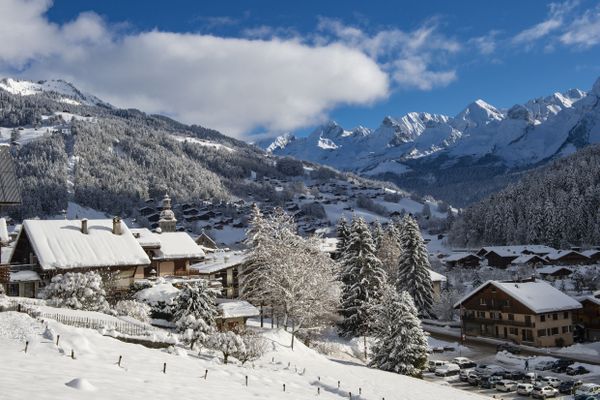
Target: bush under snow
{"x":76,"y":290}
{"x":133,"y":309}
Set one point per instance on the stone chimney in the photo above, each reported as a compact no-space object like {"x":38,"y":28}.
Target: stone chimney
{"x":84,"y":226}
{"x":116,"y":229}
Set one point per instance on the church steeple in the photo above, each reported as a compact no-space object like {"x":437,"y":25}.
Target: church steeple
{"x":167,"y":221}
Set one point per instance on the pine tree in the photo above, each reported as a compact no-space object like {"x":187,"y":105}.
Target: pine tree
{"x":195,"y":311}
{"x":389,"y":250}
{"x":362,"y":278}
{"x":414,"y":268}
{"x":343,"y":234}
{"x":401,"y":344}
{"x":377,"y":233}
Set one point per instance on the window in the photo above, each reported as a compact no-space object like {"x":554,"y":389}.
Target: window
{"x":565,"y":329}
{"x":566,"y":315}
{"x":555,"y":331}
{"x":541,"y":332}
{"x":507,"y":303}
{"x":482,"y":301}
{"x":511,"y":317}
{"x":481,"y":314}
{"x":513,"y":331}
{"x":555,"y":316}
{"x":542,"y":318}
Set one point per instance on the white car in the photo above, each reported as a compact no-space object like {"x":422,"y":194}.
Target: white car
{"x":524,"y":389}
{"x":506,"y":386}
{"x":544,"y":365}
{"x":432,"y":365}
{"x":589,"y":389}
{"x":447,"y":370}
{"x":543,"y":392}
{"x":552,"y":381}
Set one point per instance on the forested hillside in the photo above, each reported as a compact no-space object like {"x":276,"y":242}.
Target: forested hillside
{"x":556,"y":205}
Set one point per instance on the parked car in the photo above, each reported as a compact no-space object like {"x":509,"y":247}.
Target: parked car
{"x":529,"y":377}
{"x":432,"y":365}
{"x":514,"y":375}
{"x":473,"y":378}
{"x":569,"y":387}
{"x":543,"y":392}
{"x":552,"y":381}
{"x":511,"y":348}
{"x":544,"y":365}
{"x":464,"y":374}
{"x":488,"y":369}
{"x":489,"y":381}
{"x":506,"y":386}
{"x":588,"y":388}
{"x":560,"y":366}
{"x":586,"y":397}
{"x":463,"y":362}
{"x":447,"y":370}
{"x":524,"y":389}
{"x":578,"y":370}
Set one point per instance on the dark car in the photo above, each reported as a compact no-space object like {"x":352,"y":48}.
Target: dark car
{"x":489,"y":381}
{"x":514,"y":375}
{"x":511,"y":348}
{"x":569,"y":387}
{"x":580,"y":370}
{"x":560,"y":366}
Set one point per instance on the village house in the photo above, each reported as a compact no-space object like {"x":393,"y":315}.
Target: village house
{"x":437,"y":280}
{"x":224,"y":267}
{"x":588,"y":317}
{"x":45,"y":248}
{"x":206,"y":242}
{"x":567,"y":257}
{"x":9,"y":196}
{"x":233,"y":314}
{"x":554,"y":272}
{"x":593,"y":255}
{"x":503,"y":256}
{"x":528,"y":312}
{"x":462,"y":260}
{"x":530,"y":260}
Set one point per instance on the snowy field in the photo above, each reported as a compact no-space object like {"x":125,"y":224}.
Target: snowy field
{"x":201,"y":142}
{"x":48,"y":372}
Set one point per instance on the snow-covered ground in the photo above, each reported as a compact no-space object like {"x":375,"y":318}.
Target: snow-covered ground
{"x":48,"y":372}
{"x":202,"y":142}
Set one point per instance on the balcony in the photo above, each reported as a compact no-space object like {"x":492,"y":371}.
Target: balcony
{"x":487,"y":321}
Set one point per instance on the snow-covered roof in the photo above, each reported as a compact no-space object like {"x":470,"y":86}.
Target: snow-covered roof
{"x":219,"y":261}
{"x":145,"y":237}
{"x":24,"y":276}
{"x":61,"y":244}
{"x":525,"y":258}
{"x":540,"y":297}
{"x":436,"y":277}
{"x":558,"y":254}
{"x":590,"y":253}
{"x":328,"y":245}
{"x":236,"y":309}
{"x":177,"y":245}
{"x":3,"y":231}
{"x":507,"y":251}
{"x":550,"y":269}
{"x":593,"y":299}
{"x":459,"y":256}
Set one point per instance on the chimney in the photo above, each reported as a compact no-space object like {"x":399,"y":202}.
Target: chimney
{"x":84,"y":226}
{"x":116,"y":226}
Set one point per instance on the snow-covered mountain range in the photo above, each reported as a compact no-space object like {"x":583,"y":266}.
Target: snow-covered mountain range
{"x":416,"y":146}
{"x":64,"y":92}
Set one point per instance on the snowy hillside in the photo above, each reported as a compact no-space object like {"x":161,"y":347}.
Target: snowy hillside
{"x":413,"y":149}
{"x":47,"y":371}
{"x":65,"y":91}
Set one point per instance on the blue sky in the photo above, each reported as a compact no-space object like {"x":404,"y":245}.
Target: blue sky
{"x":265,"y":67}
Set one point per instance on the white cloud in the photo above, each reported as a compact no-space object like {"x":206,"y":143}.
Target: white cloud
{"x":556,"y":16}
{"x":485,"y":44}
{"x":584,"y":31}
{"x":415,"y":59}
{"x":234,"y":85}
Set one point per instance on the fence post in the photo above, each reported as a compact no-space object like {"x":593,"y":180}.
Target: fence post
{"x":205,"y":374}
{"x":338,"y":384}
{"x":359,"y":391}
{"x":164,"y":368}
{"x":119,"y":362}
{"x":318,"y":390}
{"x":72,"y":354}
{"x":57,"y":339}
{"x":350,"y":395}
{"x":284,"y":387}
{"x":26,"y":346}
{"x":246,"y":380}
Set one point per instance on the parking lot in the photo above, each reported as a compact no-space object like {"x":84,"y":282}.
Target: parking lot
{"x":485,"y":354}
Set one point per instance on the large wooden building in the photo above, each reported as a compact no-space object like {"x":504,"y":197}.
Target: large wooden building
{"x":588,"y":317}
{"x":529,"y":312}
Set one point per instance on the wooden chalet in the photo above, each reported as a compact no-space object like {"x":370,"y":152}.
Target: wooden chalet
{"x":45,"y":248}
{"x":462,"y":260}
{"x":588,"y":317}
{"x":554,"y":272}
{"x":206,"y":241}
{"x":224,"y":267}
{"x":529,"y":312}
{"x":567,"y":257}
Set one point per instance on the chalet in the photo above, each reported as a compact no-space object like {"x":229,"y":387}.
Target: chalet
{"x":529,"y":260}
{"x":538,"y":249}
{"x":45,"y":248}
{"x":529,"y":312}
{"x":554,"y":272}
{"x":233,"y":314}
{"x":462,"y":260}
{"x":206,"y":242}
{"x":500,"y":258}
{"x":589,"y":317}
{"x":170,"y":253}
{"x":593,"y":255}
{"x":437,"y":279}
{"x":567,"y":257}
{"x":222,"y":266}
{"x":146,"y":211}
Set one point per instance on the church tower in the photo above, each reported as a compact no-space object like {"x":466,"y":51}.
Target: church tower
{"x":167,"y":221}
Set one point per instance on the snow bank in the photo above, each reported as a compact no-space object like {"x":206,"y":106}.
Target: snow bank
{"x":81,"y":384}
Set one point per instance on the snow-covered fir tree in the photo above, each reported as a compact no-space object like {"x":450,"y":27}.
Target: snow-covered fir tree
{"x":377,"y":233}
{"x":343,"y":234}
{"x":362,"y":278}
{"x":400,"y":343}
{"x":413,"y":267}
{"x":80,"y":291}
{"x":389,"y":250}
{"x":195,"y":311}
